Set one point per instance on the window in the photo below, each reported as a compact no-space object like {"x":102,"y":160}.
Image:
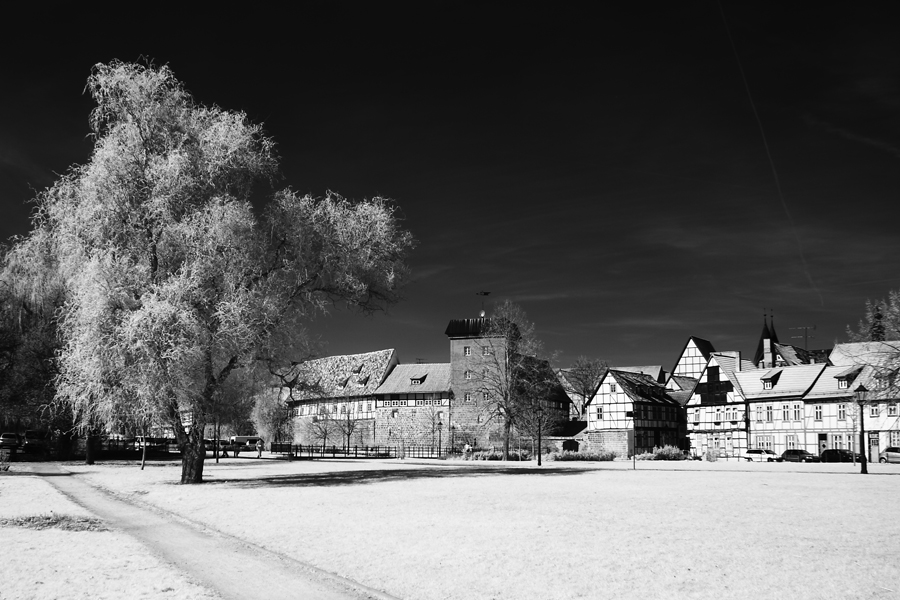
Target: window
{"x":599,"y":413}
{"x":764,"y":442}
{"x":837,"y":441}
{"x":842,"y":383}
{"x":790,"y":441}
{"x":484,"y":396}
{"x":486,"y":351}
{"x":767,"y":384}
{"x":394,"y":413}
{"x":769,"y":414}
{"x":612,"y":387}
{"x":759,"y":414}
{"x":881,"y":383}
{"x":467,"y":397}
{"x":696,"y":415}
{"x":468,"y":374}
{"x":895,"y":438}
{"x":818,"y":412}
{"x":731,"y":413}
{"x":467,"y":350}
{"x":873,"y":410}
{"x":842,"y":412}
{"x":798,"y":412}
{"x":718,"y":415}
{"x":892,"y":409}
{"x":368,"y":407}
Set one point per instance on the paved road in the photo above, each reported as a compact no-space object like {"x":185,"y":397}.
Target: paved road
{"x":232,"y":567}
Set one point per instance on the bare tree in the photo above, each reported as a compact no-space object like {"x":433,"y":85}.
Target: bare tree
{"x":506,"y":367}
{"x":582,"y":379}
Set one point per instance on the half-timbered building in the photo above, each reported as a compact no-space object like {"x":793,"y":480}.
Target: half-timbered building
{"x":633,"y":413}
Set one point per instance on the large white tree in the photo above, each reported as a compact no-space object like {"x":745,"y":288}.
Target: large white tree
{"x":173,"y":283}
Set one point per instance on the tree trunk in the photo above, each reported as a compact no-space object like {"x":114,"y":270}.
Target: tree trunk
{"x":507,"y":427}
{"x":192,"y":460}
{"x":89,"y":448}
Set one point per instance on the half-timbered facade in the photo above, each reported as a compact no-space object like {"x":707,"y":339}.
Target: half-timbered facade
{"x":716,"y":411}
{"x":632,"y":412}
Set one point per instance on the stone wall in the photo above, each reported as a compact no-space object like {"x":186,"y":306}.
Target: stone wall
{"x":618,"y":440}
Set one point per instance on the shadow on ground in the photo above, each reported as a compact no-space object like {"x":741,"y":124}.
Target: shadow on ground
{"x":382,"y":475}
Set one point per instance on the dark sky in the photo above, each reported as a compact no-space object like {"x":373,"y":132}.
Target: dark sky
{"x":603,"y":169}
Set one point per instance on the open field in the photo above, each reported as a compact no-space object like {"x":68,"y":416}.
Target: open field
{"x":66,"y":553}
{"x":450,"y":530}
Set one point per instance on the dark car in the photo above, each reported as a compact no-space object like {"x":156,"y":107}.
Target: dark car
{"x":797,"y":455}
{"x":839,"y":455}
{"x":34,"y":441}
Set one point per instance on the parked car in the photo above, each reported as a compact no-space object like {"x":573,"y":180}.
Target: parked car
{"x":9,"y":440}
{"x":797,"y":455}
{"x":761,"y":455}
{"x":34,"y":441}
{"x":839,"y":455}
{"x":890,"y":455}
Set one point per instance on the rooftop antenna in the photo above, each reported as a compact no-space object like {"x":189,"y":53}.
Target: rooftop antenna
{"x":805,"y":335}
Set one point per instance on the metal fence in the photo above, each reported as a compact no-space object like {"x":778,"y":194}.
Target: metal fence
{"x":318,"y":451}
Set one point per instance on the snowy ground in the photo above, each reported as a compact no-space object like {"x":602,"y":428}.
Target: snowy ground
{"x":448,"y":530}
{"x":76,"y":557}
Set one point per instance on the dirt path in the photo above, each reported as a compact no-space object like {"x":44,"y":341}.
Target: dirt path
{"x":232,"y":567}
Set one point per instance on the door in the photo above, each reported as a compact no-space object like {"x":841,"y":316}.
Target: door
{"x":873,"y":447}
{"x":823,"y":442}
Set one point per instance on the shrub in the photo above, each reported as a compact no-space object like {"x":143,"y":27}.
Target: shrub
{"x":646,"y":456}
{"x":602,"y":455}
{"x":668,"y":453}
{"x":712,"y":455}
{"x":498,"y":455}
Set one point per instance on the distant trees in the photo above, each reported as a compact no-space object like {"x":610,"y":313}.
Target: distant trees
{"x":173,"y":284}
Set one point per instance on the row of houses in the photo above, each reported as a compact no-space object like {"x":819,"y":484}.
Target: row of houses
{"x":710,"y":401}
{"x":785,"y":398}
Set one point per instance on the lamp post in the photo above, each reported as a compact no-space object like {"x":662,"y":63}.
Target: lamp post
{"x":540,"y":414}
{"x":440,"y":426}
{"x":861,"y":393}
{"x":628,"y":414}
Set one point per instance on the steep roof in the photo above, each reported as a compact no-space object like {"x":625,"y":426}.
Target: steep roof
{"x":794,"y":355}
{"x":654,"y":371}
{"x":641,"y":387}
{"x":765,"y":334}
{"x":342,"y":376}
{"x":791,"y":381}
{"x":827,"y":386}
{"x":434,"y":377}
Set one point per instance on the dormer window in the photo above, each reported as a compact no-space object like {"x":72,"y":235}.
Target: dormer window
{"x":362,"y":382}
{"x":843,"y":384}
{"x":770,"y":378}
{"x":416,"y":380}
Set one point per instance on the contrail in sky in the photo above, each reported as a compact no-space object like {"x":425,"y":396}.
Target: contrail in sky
{"x":762,"y":132}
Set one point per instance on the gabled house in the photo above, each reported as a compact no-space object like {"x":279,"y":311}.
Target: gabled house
{"x":633,"y":413}
{"x":693,"y":358}
{"x":716,"y":411}
{"x":779,"y":415}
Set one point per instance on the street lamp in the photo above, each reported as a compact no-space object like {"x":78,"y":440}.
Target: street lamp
{"x":440,"y":425}
{"x":861,"y":393}
{"x":630,"y":414}
{"x":540,"y":414}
